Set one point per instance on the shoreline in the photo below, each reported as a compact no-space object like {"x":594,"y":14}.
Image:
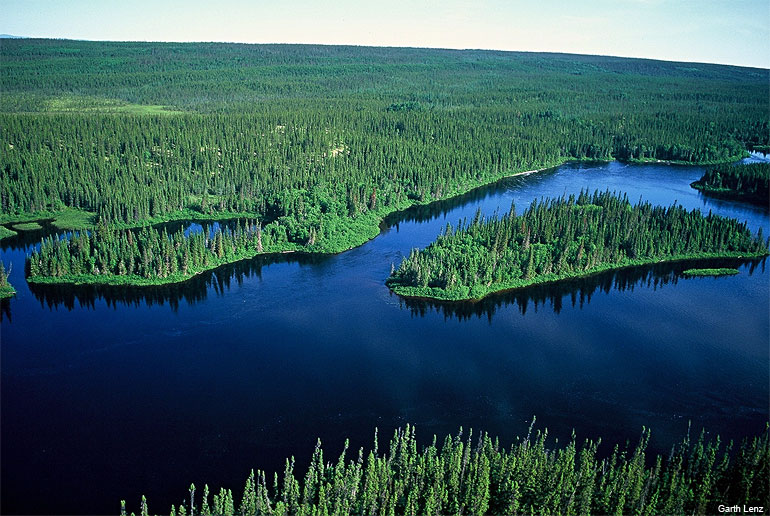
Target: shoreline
{"x":190,"y":215}
{"x":418,"y":293}
{"x":137,"y":281}
{"x":730,"y":195}
{"x":76,"y":218}
{"x":113,"y":280}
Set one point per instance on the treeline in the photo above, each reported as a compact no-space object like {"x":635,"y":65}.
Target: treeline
{"x":748,"y":182}
{"x":561,"y":238}
{"x":272,"y":131}
{"x":477,"y":475}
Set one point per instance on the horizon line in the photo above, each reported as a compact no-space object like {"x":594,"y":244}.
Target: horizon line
{"x":469,"y":49}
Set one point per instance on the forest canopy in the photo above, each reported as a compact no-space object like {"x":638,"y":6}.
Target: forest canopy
{"x":316,"y":144}
{"x":139,"y":132}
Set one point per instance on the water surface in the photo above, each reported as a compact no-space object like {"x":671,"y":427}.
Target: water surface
{"x":108,"y":394}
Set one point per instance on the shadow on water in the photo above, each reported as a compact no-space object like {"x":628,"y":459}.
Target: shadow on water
{"x":425,"y":212}
{"x":577,"y":292}
{"x":5,"y":309}
{"x":192,"y":291}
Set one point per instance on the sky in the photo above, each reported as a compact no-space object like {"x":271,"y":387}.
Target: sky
{"x":733,"y":32}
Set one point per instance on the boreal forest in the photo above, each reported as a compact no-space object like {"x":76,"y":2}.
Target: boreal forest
{"x":128,"y":166}
{"x":315,"y":144}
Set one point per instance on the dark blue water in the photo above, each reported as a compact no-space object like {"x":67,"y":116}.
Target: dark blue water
{"x":108,"y":394}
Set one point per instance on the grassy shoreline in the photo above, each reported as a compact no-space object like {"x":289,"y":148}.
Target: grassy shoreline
{"x":439,"y":294}
{"x":27,"y":226}
{"x":139,"y":281}
{"x":74,"y":218}
{"x":66,"y":218}
{"x":722,"y":271}
{"x":6,"y":233}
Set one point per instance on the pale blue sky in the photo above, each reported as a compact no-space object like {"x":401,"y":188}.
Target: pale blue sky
{"x":713,"y":31}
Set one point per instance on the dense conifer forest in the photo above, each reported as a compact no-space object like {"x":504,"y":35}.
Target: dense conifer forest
{"x":307,"y":148}
{"x":561,"y":238}
{"x":318,"y":143}
{"x":748,"y":182}
{"x":477,"y":475}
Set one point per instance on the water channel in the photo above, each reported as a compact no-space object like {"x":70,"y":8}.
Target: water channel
{"x":108,"y":394}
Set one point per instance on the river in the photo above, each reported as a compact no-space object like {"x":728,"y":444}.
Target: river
{"x":108,"y":394}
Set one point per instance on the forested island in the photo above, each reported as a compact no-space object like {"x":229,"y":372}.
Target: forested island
{"x":6,"y":289}
{"x":316,"y":144}
{"x":750,"y":182}
{"x":477,"y":475}
{"x":565,"y":238}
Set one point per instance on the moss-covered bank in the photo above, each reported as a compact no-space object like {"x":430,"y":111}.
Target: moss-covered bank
{"x":723,"y":271}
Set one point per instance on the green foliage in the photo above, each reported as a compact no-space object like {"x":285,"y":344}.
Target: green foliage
{"x":268,"y":131}
{"x":27,"y":226}
{"x":562,"y":238}
{"x":5,"y":232}
{"x":750,"y":182}
{"x":65,"y":218}
{"x":6,"y":289}
{"x":144,"y":257}
{"x":475,"y":475}
{"x":710,"y":272}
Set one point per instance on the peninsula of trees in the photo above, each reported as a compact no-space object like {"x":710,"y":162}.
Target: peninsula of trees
{"x":148,"y":256}
{"x":562,"y":238}
{"x":477,"y":475}
{"x":743,"y":182}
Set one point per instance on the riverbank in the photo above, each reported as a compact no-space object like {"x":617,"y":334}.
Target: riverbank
{"x":6,"y":233}
{"x":349,"y":233}
{"x":133,"y":280}
{"x":439,"y":294}
{"x":745,"y":182}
